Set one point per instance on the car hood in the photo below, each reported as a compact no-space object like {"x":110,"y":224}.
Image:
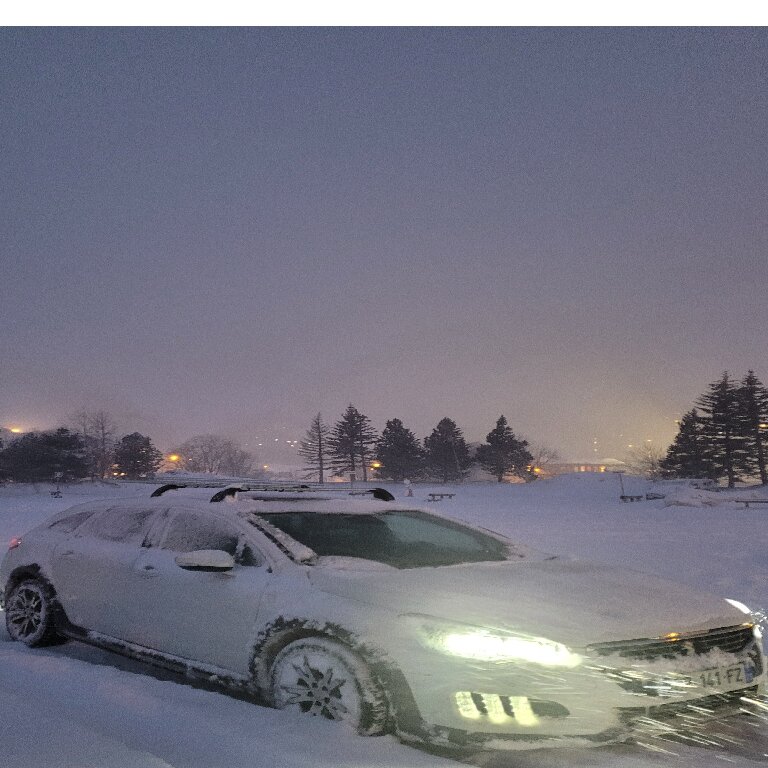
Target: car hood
{"x":570,"y":601}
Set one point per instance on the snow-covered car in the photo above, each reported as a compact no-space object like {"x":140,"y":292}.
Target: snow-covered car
{"x":383,"y":615}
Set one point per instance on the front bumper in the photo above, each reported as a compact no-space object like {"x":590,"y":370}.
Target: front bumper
{"x":513,"y":705}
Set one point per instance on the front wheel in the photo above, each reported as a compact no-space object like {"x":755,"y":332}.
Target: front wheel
{"x":29,"y":614}
{"x":322,"y":677}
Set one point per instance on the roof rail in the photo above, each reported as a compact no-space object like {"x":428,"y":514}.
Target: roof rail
{"x":227,"y":490}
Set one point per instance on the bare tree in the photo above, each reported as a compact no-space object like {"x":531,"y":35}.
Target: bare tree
{"x":214,"y":454}
{"x":98,"y":431}
{"x":543,"y":455}
{"x":646,"y":460}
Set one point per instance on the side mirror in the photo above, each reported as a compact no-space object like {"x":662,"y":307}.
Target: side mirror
{"x":206,"y":560}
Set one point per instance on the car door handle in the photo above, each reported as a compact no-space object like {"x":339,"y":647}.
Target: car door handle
{"x":149,"y":570}
{"x":68,"y":553}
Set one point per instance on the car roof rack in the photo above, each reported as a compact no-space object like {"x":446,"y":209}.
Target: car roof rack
{"x":229,"y":491}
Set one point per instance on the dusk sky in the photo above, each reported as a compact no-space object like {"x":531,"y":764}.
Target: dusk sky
{"x":228,"y":230}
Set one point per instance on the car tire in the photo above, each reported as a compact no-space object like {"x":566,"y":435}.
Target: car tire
{"x":29,"y":614}
{"x":322,"y":677}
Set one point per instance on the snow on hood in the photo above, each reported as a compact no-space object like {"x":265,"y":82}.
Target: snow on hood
{"x":573,"y":602}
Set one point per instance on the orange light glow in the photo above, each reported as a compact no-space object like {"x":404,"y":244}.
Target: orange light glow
{"x":16,"y":430}
{"x":174,"y":457}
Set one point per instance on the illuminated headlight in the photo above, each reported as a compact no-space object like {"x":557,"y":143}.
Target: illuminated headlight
{"x":469,"y":642}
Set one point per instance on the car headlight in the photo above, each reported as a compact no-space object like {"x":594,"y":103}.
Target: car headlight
{"x":468,"y":642}
{"x":758,"y":618}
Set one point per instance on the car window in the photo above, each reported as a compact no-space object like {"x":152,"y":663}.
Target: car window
{"x":129,"y":526}
{"x":70,"y":522}
{"x":403,"y":539}
{"x":188,"y":532}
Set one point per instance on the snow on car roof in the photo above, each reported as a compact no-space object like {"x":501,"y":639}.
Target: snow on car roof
{"x":325,"y":504}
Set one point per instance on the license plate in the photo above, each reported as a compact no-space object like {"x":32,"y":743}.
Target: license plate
{"x":723,"y":678}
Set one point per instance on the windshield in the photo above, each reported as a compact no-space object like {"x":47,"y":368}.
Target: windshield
{"x":403,"y":539}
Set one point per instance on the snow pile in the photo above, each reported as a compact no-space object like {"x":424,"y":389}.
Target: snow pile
{"x":692,"y":497}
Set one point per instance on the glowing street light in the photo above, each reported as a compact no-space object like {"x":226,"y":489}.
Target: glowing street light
{"x":18,"y":430}
{"x":174,"y":457}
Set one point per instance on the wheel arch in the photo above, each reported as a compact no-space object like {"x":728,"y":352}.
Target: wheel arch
{"x":22,"y":572}
{"x":34,"y":571}
{"x":403,"y":710}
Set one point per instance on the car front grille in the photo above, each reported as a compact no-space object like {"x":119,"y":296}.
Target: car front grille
{"x":727,"y":639}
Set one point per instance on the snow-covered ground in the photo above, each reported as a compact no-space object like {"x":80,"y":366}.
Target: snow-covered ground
{"x":75,"y":707}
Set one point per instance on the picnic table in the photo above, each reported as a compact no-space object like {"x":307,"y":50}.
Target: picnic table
{"x":440,"y":496}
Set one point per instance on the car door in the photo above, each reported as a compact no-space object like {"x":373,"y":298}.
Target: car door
{"x":87,"y":565}
{"x":201,"y":615}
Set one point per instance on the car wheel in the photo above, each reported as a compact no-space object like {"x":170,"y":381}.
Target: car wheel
{"x":29,"y":614}
{"x":323,"y":677}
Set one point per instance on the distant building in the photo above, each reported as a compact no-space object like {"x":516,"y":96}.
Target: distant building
{"x":599,"y":465}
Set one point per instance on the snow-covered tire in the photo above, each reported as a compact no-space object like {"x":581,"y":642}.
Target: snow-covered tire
{"x":319,"y":676}
{"x":29,"y":617}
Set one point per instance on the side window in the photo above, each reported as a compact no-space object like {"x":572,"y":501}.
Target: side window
{"x":129,"y":526}
{"x":70,"y":522}
{"x":189,"y":531}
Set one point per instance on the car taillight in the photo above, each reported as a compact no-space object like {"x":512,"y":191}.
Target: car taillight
{"x":15,"y":542}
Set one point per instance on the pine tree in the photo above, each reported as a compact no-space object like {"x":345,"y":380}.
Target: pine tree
{"x":399,"y":452}
{"x":350,"y":444}
{"x":503,"y":453}
{"x":137,"y":457}
{"x":314,"y":449}
{"x":446,"y":452}
{"x":690,"y":454}
{"x":722,"y":429}
{"x":42,"y":456}
{"x":752,"y":400}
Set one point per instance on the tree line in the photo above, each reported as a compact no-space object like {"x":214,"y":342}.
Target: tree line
{"x":725,"y":436}
{"x":90,"y":447}
{"x":353,"y":448}
{"x":64,"y":454}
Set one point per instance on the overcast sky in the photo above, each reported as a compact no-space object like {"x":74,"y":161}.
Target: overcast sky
{"x":228,"y":231}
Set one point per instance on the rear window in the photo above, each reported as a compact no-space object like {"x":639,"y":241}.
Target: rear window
{"x":403,"y":539}
{"x":70,"y":522}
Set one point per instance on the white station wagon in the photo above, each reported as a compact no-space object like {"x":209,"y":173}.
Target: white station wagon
{"x":388,"y":617}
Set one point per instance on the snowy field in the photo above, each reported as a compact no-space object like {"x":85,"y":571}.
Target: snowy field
{"x":77,"y":707}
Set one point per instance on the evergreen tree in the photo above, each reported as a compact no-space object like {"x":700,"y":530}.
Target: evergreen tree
{"x":44,"y":456}
{"x":723,"y":430}
{"x":137,"y":457}
{"x":314,"y":449}
{"x":752,"y":399}
{"x":351,"y":443}
{"x":503,"y":453}
{"x":690,"y":452}
{"x":399,"y":452}
{"x":446,"y":453}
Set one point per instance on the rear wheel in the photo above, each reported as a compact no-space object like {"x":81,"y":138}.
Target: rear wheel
{"x":322,"y":677}
{"x":29,"y":614}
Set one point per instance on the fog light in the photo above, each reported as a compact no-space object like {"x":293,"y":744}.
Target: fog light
{"x":498,"y":710}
